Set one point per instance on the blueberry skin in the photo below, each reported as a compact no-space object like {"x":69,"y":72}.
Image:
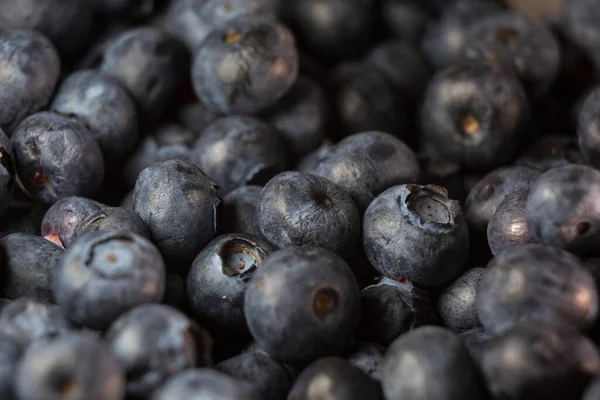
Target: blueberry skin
{"x":31,"y":320}
{"x":30,"y":71}
{"x":367,"y":357}
{"x":105,"y":274}
{"x":407,"y":214}
{"x":11,"y":350}
{"x":473,"y":114}
{"x":552,"y":151}
{"x":245,"y":66}
{"x":298,"y":209}
{"x":113,"y":219}
{"x":529,"y":43}
{"x":204,"y":384}
{"x":178,"y":203}
{"x":302,"y":304}
{"x":238,"y":150}
{"x":390,"y":309}
{"x":365,"y":164}
{"x":68,"y":24}
{"x":149,"y":63}
{"x":429,"y":351}
{"x":485,"y":197}
{"x":76,"y":366}
{"x":269,"y":378}
{"x":562,"y":210}
{"x":508,"y":225}
{"x":334,"y":378}
{"x":477,"y":341}
{"x":28,"y":266}
{"x":100,"y":103}
{"x":153,"y":342}
{"x":219,"y":275}
{"x":239,"y":212}
{"x":301,"y":116}
{"x":64,"y":217}
{"x":534,"y":283}
{"x":56,"y":158}
{"x":540,"y":362}
{"x":456,"y":302}
{"x":587,"y":131}
{"x":592,"y":390}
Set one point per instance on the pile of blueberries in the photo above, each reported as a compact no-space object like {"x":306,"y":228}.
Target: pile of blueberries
{"x":299,"y":200}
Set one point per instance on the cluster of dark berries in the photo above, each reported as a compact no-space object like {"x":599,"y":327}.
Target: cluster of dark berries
{"x":299,"y":200}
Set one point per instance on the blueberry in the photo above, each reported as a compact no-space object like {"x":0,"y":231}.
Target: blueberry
{"x":68,"y":24}
{"x":508,"y":225}
{"x":532,"y":47}
{"x":407,"y":214}
{"x":561,"y":209}
{"x":28,"y":266}
{"x":426,"y":352}
{"x":204,"y":383}
{"x":552,"y":151}
{"x":456,"y":302}
{"x":30,"y":71}
{"x":64,"y":217}
{"x":587,"y":131}
{"x":577,"y":21}
{"x":178,"y":203}
{"x":11,"y":350}
{"x":540,"y":362}
{"x":221,"y":12}
{"x":269,"y":378}
{"x":7,"y":173}
{"x":99,"y":102}
{"x":390,"y":309}
{"x":149,"y":63}
{"x":592,"y":390}
{"x":239,"y":213}
{"x":367,"y":357}
{"x":301,"y":116}
{"x":367,"y":163}
{"x":302,"y":304}
{"x":113,"y":219}
{"x":183,"y":20}
{"x":336,"y":379}
{"x":56,"y":158}
{"x":245,"y":66}
{"x":236,"y":150}
{"x":105,"y":274}
{"x":153,"y":342}
{"x":405,"y":20}
{"x":76,"y":366}
{"x":537,"y":284}
{"x":485,"y":197}
{"x":473,"y":114}
{"x":477,"y":341}
{"x":219,"y":275}
{"x":31,"y":320}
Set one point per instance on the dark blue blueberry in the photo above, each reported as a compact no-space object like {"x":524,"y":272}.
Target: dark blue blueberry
{"x":406,"y":20}
{"x":562,"y":209}
{"x":508,"y":225}
{"x":178,"y":203}
{"x":477,"y":341}
{"x":56,"y":158}
{"x":533,"y":283}
{"x":366,"y":164}
{"x":367,"y":357}
{"x":592,"y":390}
{"x":99,"y":102}
{"x":587,"y":128}
{"x":219,"y":275}
{"x":153,"y":342}
{"x":149,"y":63}
{"x":473,"y":114}
{"x":28,"y":266}
{"x":245,"y":66}
{"x":239,"y":212}
{"x":30,"y":71}
{"x":456,"y":302}
{"x":236,"y":150}
{"x":298,"y":209}
{"x":302,"y":303}
{"x":113,"y":219}
{"x":77,"y":366}
{"x":390,"y":309}
{"x":552,"y":151}
{"x":301,"y":116}
{"x":204,"y":384}
{"x":424,"y":353}
{"x":406,"y":215}
{"x":540,"y":362}
{"x":64,"y":217}
{"x":11,"y":350}
{"x":334,"y":378}
{"x":105,"y":274}
{"x":269,"y":378}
